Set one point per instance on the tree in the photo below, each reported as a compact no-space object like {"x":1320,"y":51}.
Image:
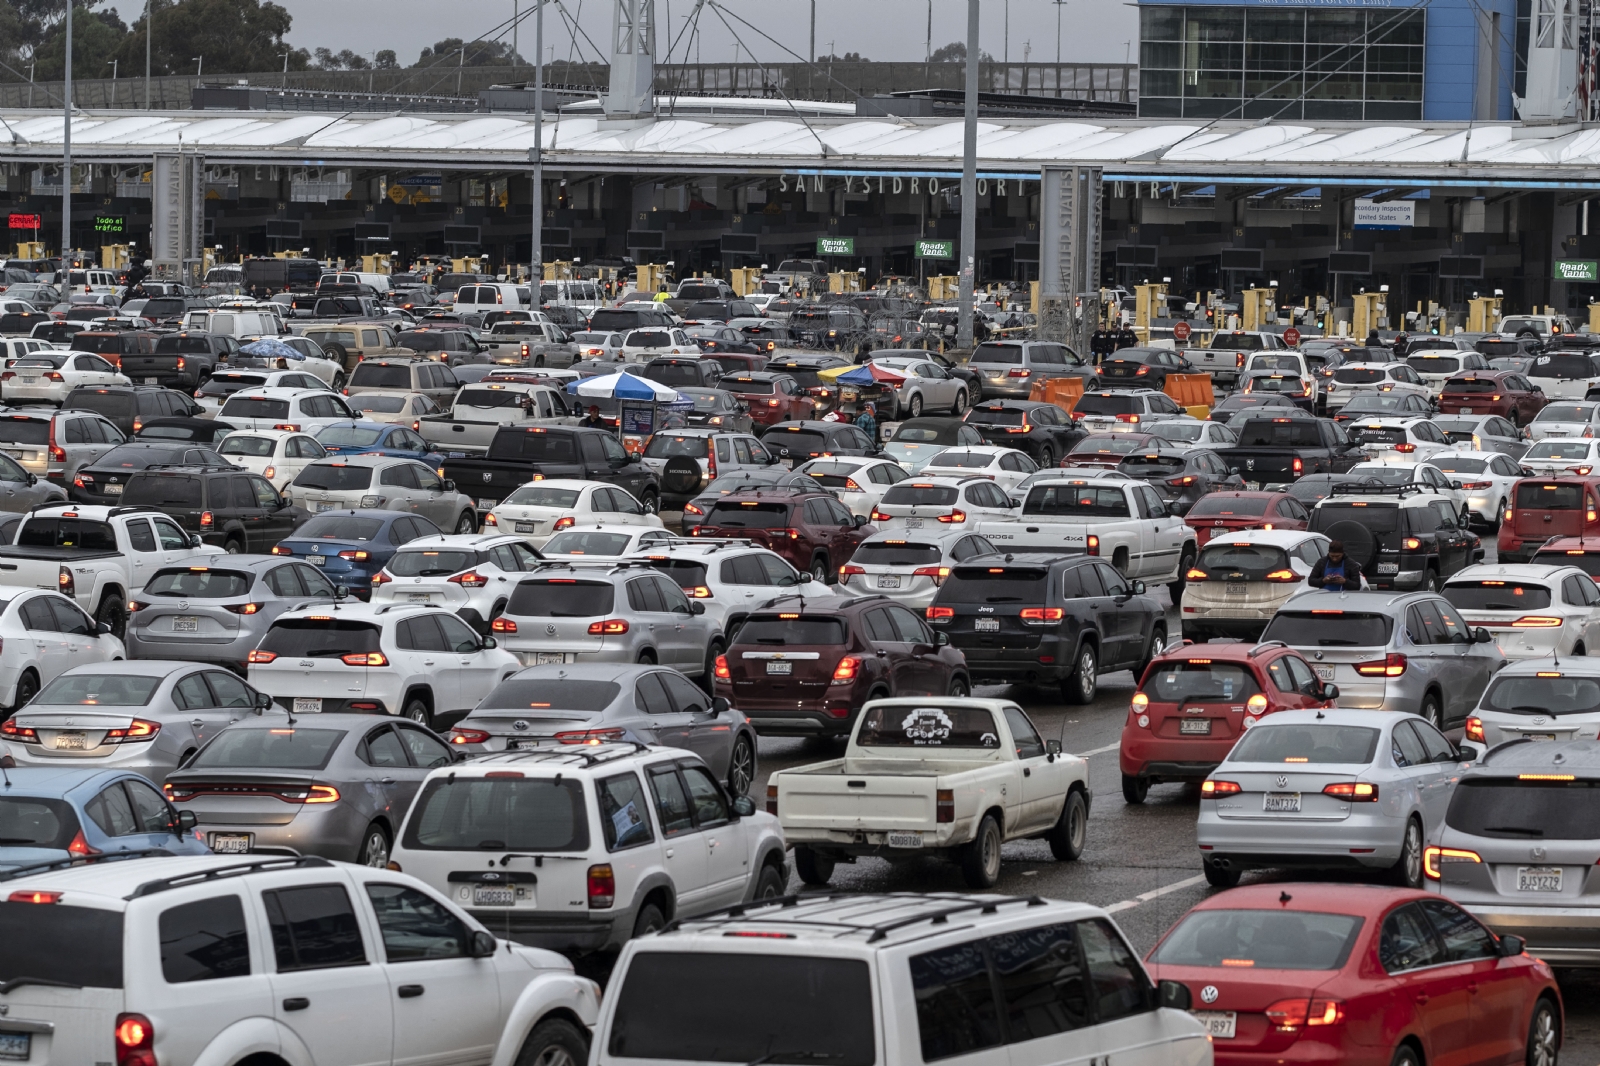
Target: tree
{"x":344,"y":60}
{"x":956,"y":52}
{"x":478,"y":54}
{"x":96,"y":38}
{"x":235,"y":36}
{"x":386,"y":59}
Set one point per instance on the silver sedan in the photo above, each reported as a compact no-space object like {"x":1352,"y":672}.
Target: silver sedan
{"x":1328,"y":789}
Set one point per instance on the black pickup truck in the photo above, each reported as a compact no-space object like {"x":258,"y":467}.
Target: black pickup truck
{"x":1285,"y":448}
{"x":518,"y":453}
{"x":181,"y":360}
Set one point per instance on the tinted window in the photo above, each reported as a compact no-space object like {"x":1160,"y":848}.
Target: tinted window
{"x":287,"y":749}
{"x":37,"y":821}
{"x":98,"y":689}
{"x":1509,"y":809}
{"x":1312,"y":744}
{"x":199,"y":584}
{"x":313,"y":927}
{"x":956,"y":1009}
{"x":1329,"y":629}
{"x":562,"y":598}
{"x":1281,"y":940}
{"x":204,"y":940}
{"x":950,"y":727}
{"x":334,"y":477}
{"x":33,"y":936}
{"x":1201,"y":681}
{"x":67,"y":533}
{"x":982,"y":584}
{"x":1406,"y":941}
{"x":520,"y":814}
{"x":1490,"y":595}
{"x":415,"y":926}
{"x":807,"y":631}
{"x":320,"y":638}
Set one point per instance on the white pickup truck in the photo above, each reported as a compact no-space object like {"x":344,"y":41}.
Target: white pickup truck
{"x":96,"y":555}
{"x":1116,"y":518}
{"x":933,"y":775}
{"x":1225,"y":354}
{"x":481,"y":409}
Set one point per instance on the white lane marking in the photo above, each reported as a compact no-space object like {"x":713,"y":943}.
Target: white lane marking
{"x":1155,"y":893}
{"x":1099,"y":751}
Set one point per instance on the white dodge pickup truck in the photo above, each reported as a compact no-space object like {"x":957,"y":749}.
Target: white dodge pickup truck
{"x":480,"y":410}
{"x":940,"y":775}
{"x":1115,"y":517}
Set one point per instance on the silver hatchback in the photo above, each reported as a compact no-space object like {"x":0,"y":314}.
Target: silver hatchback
{"x":1391,"y":651}
{"x":383,"y":483}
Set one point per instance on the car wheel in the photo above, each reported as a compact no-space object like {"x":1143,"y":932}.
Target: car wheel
{"x":1220,"y":876}
{"x":708,"y":676}
{"x":538,"y":361}
{"x":416,"y":709}
{"x":466,"y":524}
{"x":1071,"y":831}
{"x":1079,"y":687}
{"x":650,"y":503}
{"x":1405,"y":1055}
{"x":742,"y":766}
{"x":820,"y":570}
{"x":1157,"y":644}
{"x":960,"y":405}
{"x":1431,"y":711}
{"x":1430,"y":580}
{"x":814,"y":869}
{"x":1544,"y":1035}
{"x":1500,"y":513}
{"x":770,"y":884}
{"x":647,"y":658}
{"x":1407,"y":869}
{"x":233,"y":547}
{"x":649,"y":920}
{"x":959,"y":689}
{"x":1135,"y":789}
{"x":27,"y":689}
{"x":554,"y":1042}
{"x":374,"y":847}
{"x":114,"y":613}
{"x":980,"y":860}
{"x":1185,"y":562}
{"x":1047,"y":458}
{"x":914,"y":406}
{"x":1466,"y":516}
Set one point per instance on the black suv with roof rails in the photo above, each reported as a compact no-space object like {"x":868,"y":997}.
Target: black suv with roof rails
{"x":1402,"y":537}
{"x":228,"y":507}
{"x":129,"y":407}
{"x":795,"y":442}
{"x":681,"y":371}
{"x":1042,"y":430}
{"x":1039,"y":619}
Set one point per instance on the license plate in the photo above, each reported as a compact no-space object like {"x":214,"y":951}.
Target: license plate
{"x":230,"y":843}
{"x":30,"y":381}
{"x":1253,"y":486}
{"x":1324,"y":673}
{"x":1282,"y":802}
{"x":113,"y":490}
{"x":904,"y":840}
{"x":488,"y":503}
{"x":72,"y":742}
{"x":316,"y":560}
{"x":151,"y":381}
{"x":1219,"y":1023}
{"x":1237,"y":588}
{"x":889,"y":581}
{"x":986,"y":625}
{"x":550,"y":658}
{"x":1466,"y":410}
{"x":1218,"y":530}
{"x":186,"y":624}
{"x":17,"y":1047}
{"x":417,"y":597}
{"x":308,"y":705}
{"x":1388,"y":568}
{"x":1195,"y":726}
{"x":774,"y":667}
{"x":323,"y":505}
{"x":1538,"y":879}
{"x":913,"y":523}
{"x":1539,"y":736}
{"x":526,"y":527}
{"x":483,"y":896}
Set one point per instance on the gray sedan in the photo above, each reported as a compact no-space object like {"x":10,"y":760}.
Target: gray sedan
{"x":335,"y":785}
{"x":589,"y":703}
{"x":218,"y":614}
{"x":1328,"y":789}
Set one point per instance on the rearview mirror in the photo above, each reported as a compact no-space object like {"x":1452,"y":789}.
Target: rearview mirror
{"x":33,"y":479}
{"x":857,"y":521}
{"x":696,"y":607}
{"x":102,"y":628}
{"x":743,"y":806}
{"x":1330,"y":692}
{"x":195,"y":541}
{"x":449,"y":485}
{"x":940,"y":639}
{"x":488,"y":643}
{"x":263,"y":702}
{"x":719,"y":705}
{"x":1138,"y":588}
{"x":1052,"y":747}
{"x":805,"y":579}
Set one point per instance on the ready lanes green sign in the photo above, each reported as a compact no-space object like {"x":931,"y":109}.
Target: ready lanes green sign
{"x":1577,"y":270}
{"x":836,"y":246}
{"x":936,"y":249}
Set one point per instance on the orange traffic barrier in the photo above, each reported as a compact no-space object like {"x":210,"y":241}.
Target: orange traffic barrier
{"x":1192,"y":392}
{"x":1063,"y":392}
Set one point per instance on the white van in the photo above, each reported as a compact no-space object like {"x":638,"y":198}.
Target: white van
{"x":379,"y":283}
{"x":491,"y":296}
{"x":231,"y":323}
{"x":93,"y":281}
{"x":586,"y":296}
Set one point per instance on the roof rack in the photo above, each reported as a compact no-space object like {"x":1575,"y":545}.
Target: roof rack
{"x":1380,"y":489}
{"x":150,"y":888}
{"x":877,"y":932}
{"x":78,"y":860}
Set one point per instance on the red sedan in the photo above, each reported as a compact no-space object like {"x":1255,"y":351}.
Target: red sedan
{"x":1491,"y":392}
{"x":1229,"y":512}
{"x":1358,"y":975}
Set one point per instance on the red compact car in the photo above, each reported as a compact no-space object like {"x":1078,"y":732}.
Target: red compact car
{"x":1357,"y":975}
{"x":1491,"y":392}
{"x":1582,"y":552}
{"x":1541,"y":508}
{"x":1217,"y":513}
{"x":1195,"y":700}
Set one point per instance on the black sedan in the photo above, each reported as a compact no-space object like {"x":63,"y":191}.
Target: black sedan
{"x":102,"y":480}
{"x":1384,"y":405}
{"x":1225,"y":409}
{"x":712,"y":339}
{"x":207,"y":431}
{"x":718,"y":409}
{"x":1181,"y":477}
{"x":1144,"y":368}
{"x":1041,"y":429}
{"x":742,"y":481}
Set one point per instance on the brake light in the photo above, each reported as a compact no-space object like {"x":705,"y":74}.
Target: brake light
{"x":1391,"y":665}
{"x":1474,"y":730}
{"x":135,"y":1040}
{"x":1434,"y":856}
{"x":1093,"y":544}
{"x":1536,"y":621}
{"x":1137,"y":708}
{"x":938,"y":573}
{"x":1019,"y":373}
{"x":1042,"y":615}
{"x":354,"y":554}
{"x":1412,"y":543}
{"x":279,"y":549}
{"x":953,"y":518}
{"x":242,"y":608}
{"x":471,"y":579}
{"x":380,"y":578}
{"x":53,"y":376}
{"x":65,"y":583}
{"x":258,"y":656}
{"x":1290,"y":1014}
{"x":602,"y":885}
{"x":879,"y":516}
{"x":10,"y":730}
{"x":209,"y":521}
{"x":503,"y":625}
{"x":609,"y":625}
{"x":292,"y":427}
{"x":460,"y":735}
{"x":1238,"y":360}
{"x":944,"y":805}
{"x":846,"y":671}
{"x":940,"y":614}
{"x":1283,"y":575}
{"x":1127,"y":418}
{"x":80,"y":846}
{"x":792,"y":534}
{"x":59,"y":454}
{"x":364,"y":658}
{"x":1210,"y":789}
{"x":1299,"y":465}
{"x":1181,"y":481}
{"x":589,"y":736}
{"x":846,"y":572}
{"x":1141,"y":372}
{"x":720,"y":669}
{"x":1355,"y":791}
{"x":772,"y":800}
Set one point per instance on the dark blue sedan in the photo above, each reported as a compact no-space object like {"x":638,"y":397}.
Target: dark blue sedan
{"x":50,"y":813}
{"x":378,"y":438}
{"x":350,"y":546}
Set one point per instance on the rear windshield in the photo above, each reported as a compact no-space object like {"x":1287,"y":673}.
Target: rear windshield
{"x":764,"y":1004}
{"x":1544,"y":496}
{"x":1558,"y":449}
{"x":952,"y":457}
{"x":1566,"y":412}
{"x":1434,"y":364}
{"x":373,"y":375}
{"x":339,"y":527}
{"x":182,"y":345}
{"x":239,"y":444}
{"x":1235,"y":342}
{"x":67,"y":533}
{"x":35,"y":935}
{"x":1270,"y":940}
{"x":1306,"y":744}
{"x":321,"y":638}
{"x":166,"y":491}
{"x":551,"y":694}
{"x":499,"y":814}
{"x":1096,"y":403}
{"x":1148,"y":466}
{"x":688,"y":573}
{"x":541,"y":496}
{"x":1276,"y":383}
{"x":256,"y":407}
{"x":1279,"y":432}
{"x":1555,"y":694}
{"x":896,"y":553}
{"x":1329,"y":629}
{"x":928,"y":727}
{"x":36,"y":822}
{"x":1379,"y":518}
{"x":1201,"y":681}
{"x":675,"y":374}
{"x":1588,"y":562}
{"x":1526,"y":810}
{"x":417,"y":342}
{"x":803,"y":440}
{"x":997,"y":353}
{"x":587,"y":542}
{"x":1230,"y":506}
{"x":923,"y":495}
{"x":792,"y":630}
{"x":667,"y":446}
{"x":1077,"y":500}
{"x":106,"y":690}
{"x":25,"y":430}
{"x":1497,"y":596}
{"x":745,"y":386}
{"x":113,"y":405}
{"x":1456,"y":465}
{"x":1565,"y":367}
{"x":1358,"y":375}
{"x":1378,"y":435}
{"x":983,"y":584}
{"x":278,"y":749}
{"x":349,"y":437}
{"x":199,"y":583}
{"x":1470,"y":384}
{"x":749,"y":515}
{"x":1243,"y":562}
{"x":995,"y":416}
{"x":430,"y":564}
{"x":562,"y":598}
{"x":537,"y":447}
{"x":387,"y":405}
{"x":1109,"y":443}
{"x":335,"y":477}
{"x":490,"y":397}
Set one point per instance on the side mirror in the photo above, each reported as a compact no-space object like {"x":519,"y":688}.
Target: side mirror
{"x":1138,"y":588}
{"x":743,"y":806}
{"x":33,"y":479}
{"x":696,"y":607}
{"x":1330,"y":692}
{"x":1175,"y":995}
{"x":102,"y":628}
{"x":449,"y":486}
{"x":1512,"y":946}
{"x":857,"y":521}
{"x":1471,"y":751}
{"x":187,"y":820}
{"x":195,"y":541}
{"x":940,"y":639}
{"x":263,"y":702}
{"x":720,"y":705}
{"x":488,"y":643}
{"x":805,"y":579}
{"x":483,"y":945}
{"x":1482,"y":636}
{"x":341,"y":592}
{"x":1052,"y":747}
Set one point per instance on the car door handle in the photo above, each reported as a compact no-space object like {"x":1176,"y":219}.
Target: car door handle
{"x":1422,"y":997}
{"x":411,"y":991}
{"x":385,"y":780}
{"x":1027,"y":772}
{"x":296,"y":1003}
{"x":1473,"y":988}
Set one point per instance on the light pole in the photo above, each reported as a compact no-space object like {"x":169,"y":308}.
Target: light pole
{"x":969,"y":184}
{"x":66,"y":150}
{"x":149,"y":17}
{"x":201,"y":60}
{"x":113,"y":83}
{"x":536,"y":157}
{"x":285,"y":57}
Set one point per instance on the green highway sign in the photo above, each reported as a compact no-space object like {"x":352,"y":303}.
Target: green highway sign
{"x":836,"y":246}
{"x":1577,"y":270}
{"x":936,"y":250}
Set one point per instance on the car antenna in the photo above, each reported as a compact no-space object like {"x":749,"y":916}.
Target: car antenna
{"x":6,"y":763}
{"x":1284,"y":898}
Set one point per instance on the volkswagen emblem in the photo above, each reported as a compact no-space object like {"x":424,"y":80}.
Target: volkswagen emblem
{"x":1538,"y":719}
{"x":487,"y":476}
{"x":1281,"y":781}
{"x":519,"y":724}
{"x":416,"y":581}
{"x":1209,"y":994}
{"x":550,"y":629}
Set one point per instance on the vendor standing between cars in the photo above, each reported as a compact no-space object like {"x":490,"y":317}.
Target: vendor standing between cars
{"x":867,"y":423}
{"x":594,"y":421}
{"x":1336,"y":571}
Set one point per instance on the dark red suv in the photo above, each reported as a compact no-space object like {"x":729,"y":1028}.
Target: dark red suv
{"x":813,"y":530}
{"x":1492,"y":392}
{"x":771,"y":398}
{"x":805,"y":671}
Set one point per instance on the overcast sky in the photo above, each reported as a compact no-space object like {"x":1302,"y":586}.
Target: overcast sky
{"x":1091,"y":30}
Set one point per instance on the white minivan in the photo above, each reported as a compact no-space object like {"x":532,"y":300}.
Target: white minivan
{"x":232,"y":323}
{"x":491,"y":296}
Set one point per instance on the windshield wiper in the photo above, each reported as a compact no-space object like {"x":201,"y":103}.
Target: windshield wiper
{"x":809,"y":1056}
{"x":1335,"y":643}
{"x":1531,"y":710}
{"x":1517,"y":829}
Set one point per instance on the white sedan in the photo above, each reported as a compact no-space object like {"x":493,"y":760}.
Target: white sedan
{"x":1486,"y":477}
{"x":859,"y":483}
{"x":276,"y":454}
{"x":1566,"y":418}
{"x":605,"y":539}
{"x":538,"y":510}
{"x":927,"y":388}
{"x":1006,"y":467}
{"x":46,"y":376}
{"x":310,"y":410}
{"x":1532,"y":611}
{"x":1185,"y":433}
{"x":598,"y":344}
{"x":1354,"y":378}
{"x":1553,"y":456}
{"x":44,"y":634}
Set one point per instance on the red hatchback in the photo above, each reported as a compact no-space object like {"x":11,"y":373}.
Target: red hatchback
{"x":1217,"y":513}
{"x":1195,"y":700}
{"x":1542,"y":508}
{"x":1358,"y":975}
{"x":1491,"y":392}
{"x":771,"y":398}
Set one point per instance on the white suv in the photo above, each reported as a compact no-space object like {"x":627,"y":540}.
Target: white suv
{"x":206,"y":959}
{"x":472,"y":574}
{"x":733,"y":577}
{"x":414,"y":660}
{"x":593,"y":845}
{"x":899,"y":979}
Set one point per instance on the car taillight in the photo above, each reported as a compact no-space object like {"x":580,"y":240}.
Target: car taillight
{"x":242,"y":608}
{"x":1412,"y":543}
{"x":940,"y":614}
{"x":381,"y":578}
{"x":258,"y":656}
{"x":1141,"y":372}
{"x":1283,"y":575}
{"x":609,"y":625}
{"x":1479,"y":484}
{"x":207,"y":520}
{"x":471,"y":579}
{"x":1291,"y":1014}
{"x":1405,"y":447}
{"x":65,"y":583}
{"x":938,"y":573}
{"x":1391,"y":665}
{"x":690,"y":508}
{"x":589,"y":736}
{"x":1474,"y":730}
{"x":602,"y":885}
{"x":1127,"y":418}
{"x":953,"y":518}
{"x":1536,"y":621}
{"x":1299,"y":465}
{"x":847,"y":571}
{"x":1042,"y":615}
{"x":792,"y":534}
{"x":846,"y":671}
{"x":772,"y":800}
{"x":1196,"y":574}
{"x":506,"y":625}
{"x":135,"y":1040}
{"x":1137,"y":707}
{"x":462,"y":735}
{"x":1354,"y":791}
{"x":720,"y":669}
{"x":1092,"y":542}
{"x":879,"y":516}
{"x":1187,"y":479}
{"x":850,"y":485}
{"x":944,"y":806}
{"x":1238,"y":360}
{"x":1210,"y":789}
{"x":355,"y":554}
{"x":1019,"y":373}
{"x":1433,"y":857}
{"x":53,"y":376}
{"x":10,"y":730}
{"x":364,"y":658}
{"x":134,"y":731}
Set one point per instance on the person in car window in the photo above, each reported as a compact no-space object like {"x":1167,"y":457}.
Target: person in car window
{"x":1336,"y":571}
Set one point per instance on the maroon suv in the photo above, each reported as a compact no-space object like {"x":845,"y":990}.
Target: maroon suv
{"x":813,"y":530}
{"x":806,"y":671}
